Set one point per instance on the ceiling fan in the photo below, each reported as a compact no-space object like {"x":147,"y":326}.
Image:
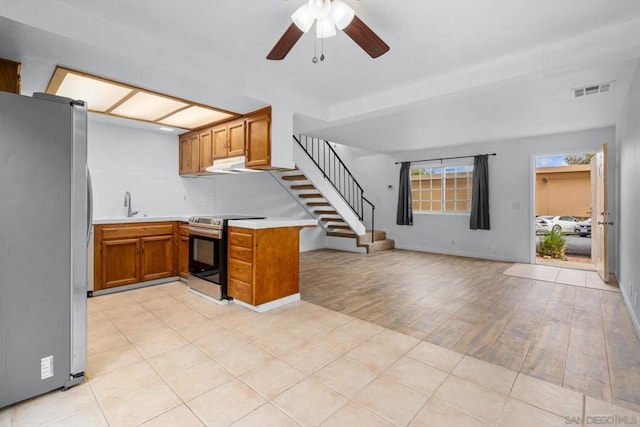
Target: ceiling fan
{"x":328,"y":15}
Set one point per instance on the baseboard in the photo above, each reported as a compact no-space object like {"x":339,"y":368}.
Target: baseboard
{"x":460,"y":253}
{"x":135,"y":286}
{"x":632,"y":314}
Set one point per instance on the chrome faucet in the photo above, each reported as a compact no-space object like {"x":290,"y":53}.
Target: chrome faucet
{"x":127,"y":204}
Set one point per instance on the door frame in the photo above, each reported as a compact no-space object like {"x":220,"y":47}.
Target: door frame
{"x":532,"y":192}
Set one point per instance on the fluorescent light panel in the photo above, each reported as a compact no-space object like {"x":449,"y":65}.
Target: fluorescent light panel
{"x":194,"y":117}
{"x":99,"y":95}
{"x":147,"y":106}
{"x":121,"y":100}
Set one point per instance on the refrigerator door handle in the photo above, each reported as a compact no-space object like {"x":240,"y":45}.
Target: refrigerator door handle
{"x":89,"y":205}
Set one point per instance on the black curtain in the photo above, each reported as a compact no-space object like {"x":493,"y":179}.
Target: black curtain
{"x":405,"y":211}
{"x":480,"y":199}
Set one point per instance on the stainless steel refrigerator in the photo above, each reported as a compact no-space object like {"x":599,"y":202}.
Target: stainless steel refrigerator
{"x":44,"y":224}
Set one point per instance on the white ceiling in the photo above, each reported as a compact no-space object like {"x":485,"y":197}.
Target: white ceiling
{"x":458,"y":71}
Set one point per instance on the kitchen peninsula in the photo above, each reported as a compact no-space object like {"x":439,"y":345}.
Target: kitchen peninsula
{"x":263,"y":256}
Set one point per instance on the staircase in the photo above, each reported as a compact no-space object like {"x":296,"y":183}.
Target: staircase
{"x":325,"y":188}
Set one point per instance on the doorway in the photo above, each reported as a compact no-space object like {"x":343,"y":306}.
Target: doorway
{"x":563,"y":200}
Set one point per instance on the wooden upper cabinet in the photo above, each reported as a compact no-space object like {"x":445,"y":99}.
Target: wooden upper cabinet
{"x":219,"y":137}
{"x":206,"y":150}
{"x":189,"y":153}
{"x":249,"y":136}
{"x":9,"y":76}
{"x":259,"y":139}
{"x":229,"y":139}
{"x":236,"y":138}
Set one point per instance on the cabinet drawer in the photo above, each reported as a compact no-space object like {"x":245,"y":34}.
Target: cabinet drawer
{"x":124,"y":232}
{"x":240,"y":253}
{"x":239,"y":270}
{"x":239,"y":290}
{"x":241,"y":239}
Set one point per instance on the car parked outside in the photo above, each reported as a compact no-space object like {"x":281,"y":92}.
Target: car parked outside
{"x":558,"y":224}
{"x":583,"y":228}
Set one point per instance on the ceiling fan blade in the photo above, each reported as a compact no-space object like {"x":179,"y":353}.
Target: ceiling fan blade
{"x":366,"y":38}
{"x":286,"y":42}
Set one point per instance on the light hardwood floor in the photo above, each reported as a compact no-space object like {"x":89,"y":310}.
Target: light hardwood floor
{"x":576,"y":337}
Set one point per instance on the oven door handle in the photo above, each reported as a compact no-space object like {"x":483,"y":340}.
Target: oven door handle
{"x":202,"y":233}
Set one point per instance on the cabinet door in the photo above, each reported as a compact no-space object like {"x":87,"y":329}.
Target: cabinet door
{"x":219,"y":137}
{"x":185,"y":154}
{"x":156,"y":257}
{"x":9,"y":76}
{"x":194,"y":157}
{"x":236,"y":138}
{"x":258,"y":141}
{"x":183,"y":262}
{"x":206,"y":150}
{"x":120,"y":262}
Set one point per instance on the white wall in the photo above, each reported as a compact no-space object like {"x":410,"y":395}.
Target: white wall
{"x":511,"y":203}
{"x":628,"y":139}
{"x":261,"y":194}
{"x":145,"y":163}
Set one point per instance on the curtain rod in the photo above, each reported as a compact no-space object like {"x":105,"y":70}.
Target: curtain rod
{"x":447,"y":158}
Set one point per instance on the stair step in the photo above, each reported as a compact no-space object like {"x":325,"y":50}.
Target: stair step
{"x":303,"y":187}
{"x":329,"y":219}
{"x":310,"y":196}
{"x":339,"y":227}
{"x":318,"y":204}
{"x":366,"y":238}
{"x":294,"y":178}
{"x":379,"y":245}
{"x":351,"y":235}
{"x":325,"y":211}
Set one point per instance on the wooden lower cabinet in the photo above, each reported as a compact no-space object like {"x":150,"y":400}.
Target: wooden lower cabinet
{"x":120,"y":263}
{"x":156,"y":257}
{"x":264,"y":264}
{"x":130,"y":253}
{"x":183,"y":251}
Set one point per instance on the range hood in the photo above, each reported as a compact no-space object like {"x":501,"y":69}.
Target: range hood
{"x":230,"y":165}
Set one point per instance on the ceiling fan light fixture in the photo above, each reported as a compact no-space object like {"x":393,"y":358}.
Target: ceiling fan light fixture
{"x":320,"y":9}
{"x":303,"y":18}
{"x":325,"y":28}
{"x":341,"y":14}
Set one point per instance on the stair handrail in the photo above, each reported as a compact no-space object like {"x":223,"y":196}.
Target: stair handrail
{"x":344,"y":182}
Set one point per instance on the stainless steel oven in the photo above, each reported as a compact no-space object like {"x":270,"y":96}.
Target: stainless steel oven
{"x":208,"y":254}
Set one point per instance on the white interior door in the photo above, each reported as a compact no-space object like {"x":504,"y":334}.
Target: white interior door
{"x":600,"y":213}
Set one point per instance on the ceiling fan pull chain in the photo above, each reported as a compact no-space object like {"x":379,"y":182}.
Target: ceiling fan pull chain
{"x":322,"y":48}
{"x":315,"y":47}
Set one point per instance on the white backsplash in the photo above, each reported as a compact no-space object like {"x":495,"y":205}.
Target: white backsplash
{"x":144,"y":163}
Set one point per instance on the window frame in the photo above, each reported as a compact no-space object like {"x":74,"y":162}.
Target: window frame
{"x":468,"y":169}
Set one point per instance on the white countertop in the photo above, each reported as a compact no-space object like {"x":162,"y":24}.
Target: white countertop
{"x":272,"y":222}
{"x":133,"y":219}
{"x":269,"y":222}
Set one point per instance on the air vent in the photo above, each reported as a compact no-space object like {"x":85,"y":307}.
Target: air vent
{"x":592,"y":89}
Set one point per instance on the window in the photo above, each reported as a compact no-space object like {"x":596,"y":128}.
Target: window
{"x":442,"y":188}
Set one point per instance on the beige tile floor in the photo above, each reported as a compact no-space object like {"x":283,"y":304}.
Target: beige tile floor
{"x":565,"y":276}
{"x":161,"y":356}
